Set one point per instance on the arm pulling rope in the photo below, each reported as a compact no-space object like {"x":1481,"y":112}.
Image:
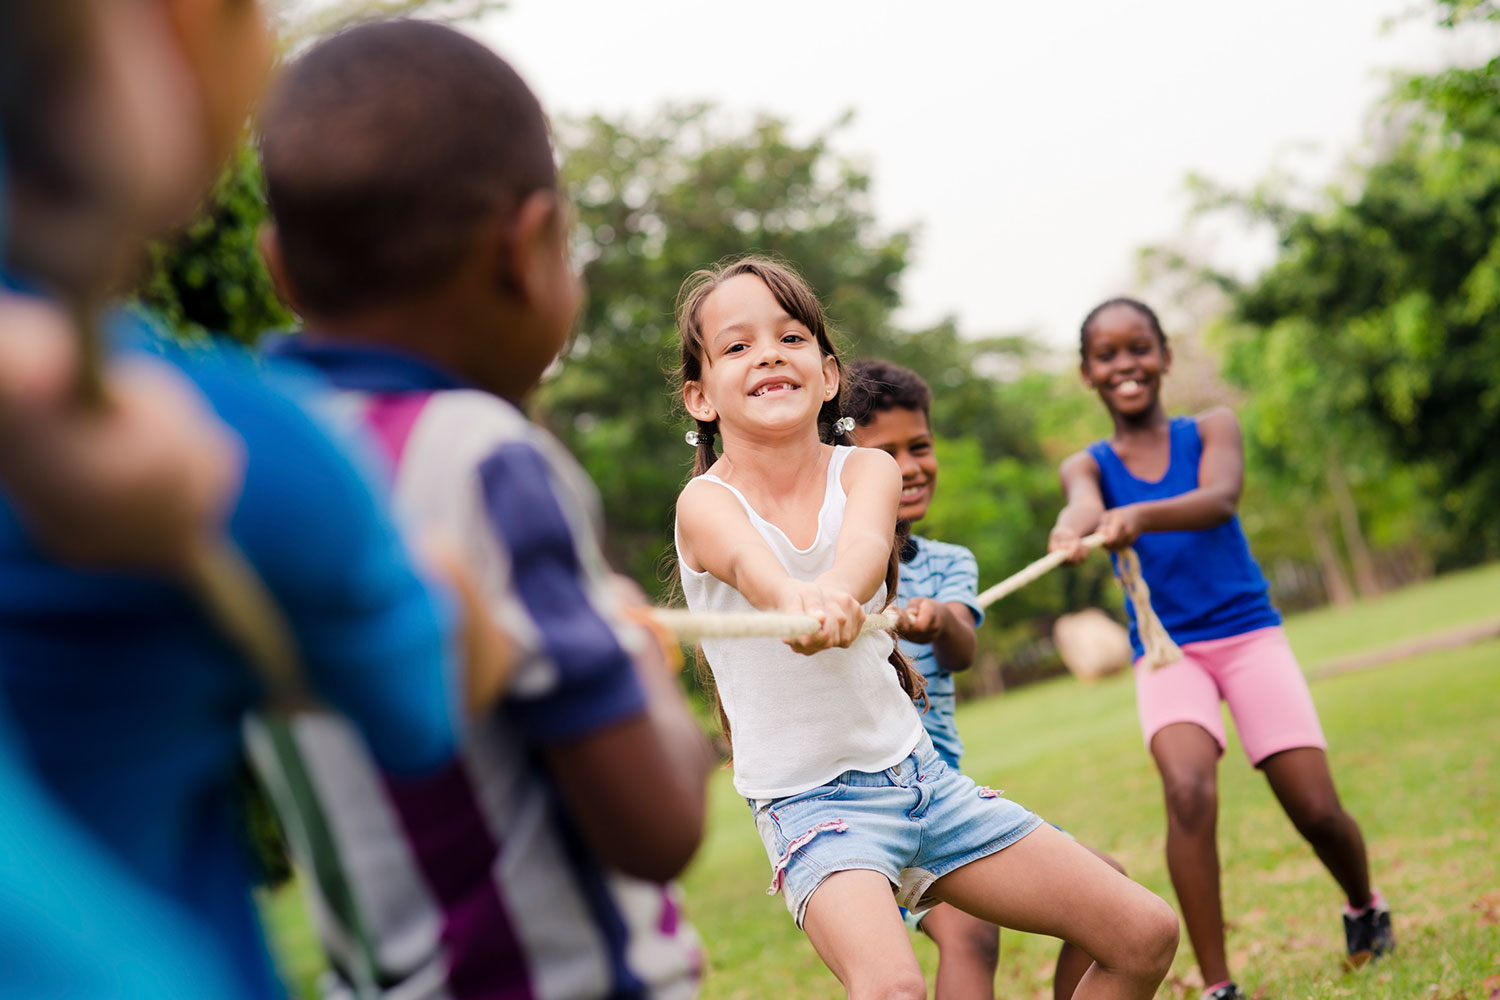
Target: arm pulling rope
{"x":692,"y":627}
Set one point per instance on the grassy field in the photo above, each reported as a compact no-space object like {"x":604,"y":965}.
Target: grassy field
{"x":1450,"y":601}
{"x":1415,"y":751}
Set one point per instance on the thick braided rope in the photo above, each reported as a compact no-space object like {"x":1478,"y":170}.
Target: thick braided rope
{"x":1160,"y":650}
{"x":693,"y":627}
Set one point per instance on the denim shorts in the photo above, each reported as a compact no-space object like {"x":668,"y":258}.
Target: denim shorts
{"x":914,"y":823}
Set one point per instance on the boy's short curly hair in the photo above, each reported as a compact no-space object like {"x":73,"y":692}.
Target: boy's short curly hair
{"x":384,"y":147}
{"x":876,"y":385}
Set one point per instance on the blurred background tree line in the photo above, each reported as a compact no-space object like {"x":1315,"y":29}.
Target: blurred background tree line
{"x":1364,"y":361}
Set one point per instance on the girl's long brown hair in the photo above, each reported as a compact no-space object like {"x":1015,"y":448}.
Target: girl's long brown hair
{"x":794,"y":295}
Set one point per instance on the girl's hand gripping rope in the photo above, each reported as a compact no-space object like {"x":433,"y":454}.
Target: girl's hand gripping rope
{"x":839,"y":616}
{"x":1120,"y":527}
{"x":1070,"y":543}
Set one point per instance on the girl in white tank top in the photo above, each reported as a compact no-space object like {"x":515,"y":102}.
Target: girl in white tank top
{"x":855,"y":808}
{"x":850,"y":713}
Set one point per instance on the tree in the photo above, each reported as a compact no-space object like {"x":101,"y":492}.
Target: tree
{"x":210,"y":278}
{"x":1371,"y":346}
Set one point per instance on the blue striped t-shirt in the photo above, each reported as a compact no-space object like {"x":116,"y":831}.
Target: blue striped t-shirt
{"x":946,"y":573}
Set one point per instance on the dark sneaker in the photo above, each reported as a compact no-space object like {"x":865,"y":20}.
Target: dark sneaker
{"x":1224,"y":991}
{"x":1367,"y":932}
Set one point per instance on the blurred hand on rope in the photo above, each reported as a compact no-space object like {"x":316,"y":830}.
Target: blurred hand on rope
{"x":1120,"y":526}
{"x":1068,"y":541}
{"x":143,"y":482}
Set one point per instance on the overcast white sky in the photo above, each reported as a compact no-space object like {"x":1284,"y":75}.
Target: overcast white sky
{"x":1034,"y":145}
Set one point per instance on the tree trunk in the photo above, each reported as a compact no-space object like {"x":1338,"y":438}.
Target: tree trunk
{"x":1335,"y":583}
{"x":1365,"y":579}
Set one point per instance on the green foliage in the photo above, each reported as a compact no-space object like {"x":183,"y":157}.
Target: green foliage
{"x":210,"y":278}
{"x":1378,"y":323}
{"x":1454,"y":12}
{"x":1370,"y":349}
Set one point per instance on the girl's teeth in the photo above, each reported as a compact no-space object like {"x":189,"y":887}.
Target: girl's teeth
{"x":1129,"y":385}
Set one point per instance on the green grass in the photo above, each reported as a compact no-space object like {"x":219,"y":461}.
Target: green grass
{"x":1415,"y":750}
{"x":1450,"y":601}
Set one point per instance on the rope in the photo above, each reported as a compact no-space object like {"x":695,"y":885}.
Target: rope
{"x":693,"y":627}
{"x":1032,"y":573}
{"x":1159,"y":647}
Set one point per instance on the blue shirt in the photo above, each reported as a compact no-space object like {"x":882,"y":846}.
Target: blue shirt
{"x":74,"y":925}
{"x":128,"y":701}
{"x":1204,"y":584}
{"x":945,"y":573}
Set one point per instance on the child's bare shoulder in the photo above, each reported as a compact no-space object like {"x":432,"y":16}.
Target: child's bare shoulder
{"x":1218,"y":420}
{"x":1081,"y":462}
{"x":870,"y":463}
{"x":702,"y":496}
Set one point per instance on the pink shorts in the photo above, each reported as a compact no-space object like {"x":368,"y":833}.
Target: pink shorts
{"x":1254,"y":672}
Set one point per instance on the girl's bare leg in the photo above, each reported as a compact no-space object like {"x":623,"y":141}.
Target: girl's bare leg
{"x":1188,"y":759}
{"x":1048,"y":884}
{"x":1073,"y":961}
{"x":968,"y":953}
{"x":854,"y":924}
{"x":1304,"y":787}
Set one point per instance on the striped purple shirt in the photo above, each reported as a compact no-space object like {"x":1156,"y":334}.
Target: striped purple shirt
{"x":471,"y":883}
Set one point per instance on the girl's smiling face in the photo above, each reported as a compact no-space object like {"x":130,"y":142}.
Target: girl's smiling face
{"x":762,"y":369}
{"x":1124,"y":360}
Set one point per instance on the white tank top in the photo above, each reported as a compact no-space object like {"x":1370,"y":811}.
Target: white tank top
{"x":800,"y":721}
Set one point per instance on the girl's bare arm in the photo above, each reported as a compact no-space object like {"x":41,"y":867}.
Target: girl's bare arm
{"x":717,"y":537}
{"x":1080,"y":515}
{"x":872,"y":482}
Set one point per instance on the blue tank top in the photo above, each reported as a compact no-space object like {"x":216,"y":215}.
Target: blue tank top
{"x":1204,"y":584}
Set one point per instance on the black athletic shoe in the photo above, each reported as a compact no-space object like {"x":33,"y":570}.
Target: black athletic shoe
{"x":1367,"y":933}
{"x":1228,"y":991}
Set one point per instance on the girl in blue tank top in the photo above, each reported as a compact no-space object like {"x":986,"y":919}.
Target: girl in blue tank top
{"x":1169,"y":487}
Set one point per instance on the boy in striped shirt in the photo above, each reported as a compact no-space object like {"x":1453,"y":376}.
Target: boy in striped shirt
{"x":937,"y":590}
{"x":419,"y":233}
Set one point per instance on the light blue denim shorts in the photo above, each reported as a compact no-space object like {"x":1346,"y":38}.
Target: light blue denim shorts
{"x":914,"y":823}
